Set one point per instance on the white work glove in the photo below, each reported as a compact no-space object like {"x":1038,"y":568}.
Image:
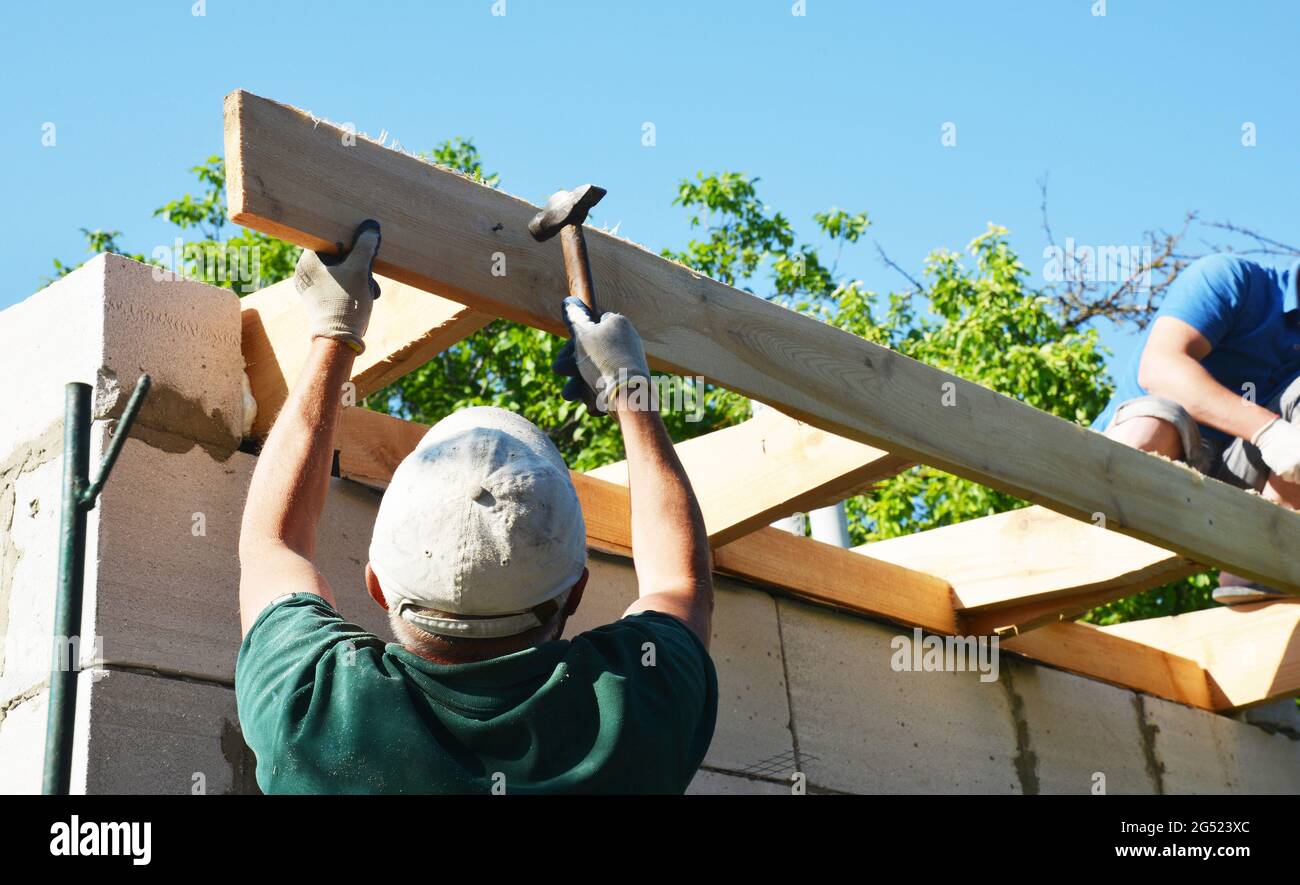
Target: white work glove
{"x":338,"y":290}
{"x":1278,"y":442}
{"x":600,"y":357}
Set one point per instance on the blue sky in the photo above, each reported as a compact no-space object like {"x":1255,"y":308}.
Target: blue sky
{"x":1136,"y":115}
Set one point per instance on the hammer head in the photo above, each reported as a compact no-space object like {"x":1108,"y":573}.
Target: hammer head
{"x":564,"y":208}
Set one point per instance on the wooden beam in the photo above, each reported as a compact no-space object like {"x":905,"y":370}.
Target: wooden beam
{"x":371,"y":444}
{"x":297,"y":177}
{"x":1024,"y":568}
{"x":408,"y":327}
{"x":769,"y":467}
{"x":834,"y":576}
{"x":1089,"y":651}
{"x":1251,"y":652}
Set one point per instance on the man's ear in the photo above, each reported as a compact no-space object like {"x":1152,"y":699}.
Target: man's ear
{"x":575,"y":595}
{"x":377,"y":593}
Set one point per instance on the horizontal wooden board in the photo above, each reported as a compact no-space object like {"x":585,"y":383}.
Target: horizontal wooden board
{"x":768,"y":467}
{"x":1020,"y":569}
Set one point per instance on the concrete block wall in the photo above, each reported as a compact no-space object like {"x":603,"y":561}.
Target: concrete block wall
{"x":802,"y":689}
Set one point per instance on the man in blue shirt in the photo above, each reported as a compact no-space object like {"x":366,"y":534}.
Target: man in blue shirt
{"x":1216,"y":384}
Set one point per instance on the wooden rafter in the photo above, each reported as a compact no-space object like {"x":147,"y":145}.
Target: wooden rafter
{"x":408,"y":327}
{"x":1015,"y":571}
{"x":1251,"y":652}
{"x":445,"y":232}
{"x":1093,"y":652}
{"x":768,"y":467}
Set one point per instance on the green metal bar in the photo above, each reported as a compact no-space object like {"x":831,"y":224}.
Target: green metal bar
{"x":79,"y":495}
{"x":67,"y":605}
{"x":115,"y":444}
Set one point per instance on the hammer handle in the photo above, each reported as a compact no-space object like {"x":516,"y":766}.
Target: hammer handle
{"x":577,"y":267}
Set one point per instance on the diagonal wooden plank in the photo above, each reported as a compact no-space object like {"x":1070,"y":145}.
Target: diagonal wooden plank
{"x":299,"y":178}
{"x":408,"y":327}
{"x":1251,"y":652}
{"x":768,"y":467}
{"x":1018,"y":570}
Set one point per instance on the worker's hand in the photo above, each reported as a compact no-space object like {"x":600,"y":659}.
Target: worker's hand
{"x":600,"y":357}
{"x":1279,"y":445}
{"x":338,"y":290}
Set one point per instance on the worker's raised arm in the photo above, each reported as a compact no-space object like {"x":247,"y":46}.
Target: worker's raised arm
{"x":670,"y":548}
{"x":277,"y":538}
{"x":1171,"y":367}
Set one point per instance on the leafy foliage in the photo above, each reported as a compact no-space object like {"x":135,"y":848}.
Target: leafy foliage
{"x":96,"y":241}
{"x":244,"y":262}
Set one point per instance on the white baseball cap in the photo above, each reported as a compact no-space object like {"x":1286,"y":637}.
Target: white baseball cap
{"x":481,"y":520}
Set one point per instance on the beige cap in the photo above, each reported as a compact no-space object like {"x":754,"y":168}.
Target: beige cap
{"x":481,"y":520}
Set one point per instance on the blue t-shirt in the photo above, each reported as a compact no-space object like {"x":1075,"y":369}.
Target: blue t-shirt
{"x":1250,"y":314}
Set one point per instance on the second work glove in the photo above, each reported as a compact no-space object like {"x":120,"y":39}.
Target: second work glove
{"x":1279,"y":445}
{"x":601,"y":357}
{"x":338,"y":290}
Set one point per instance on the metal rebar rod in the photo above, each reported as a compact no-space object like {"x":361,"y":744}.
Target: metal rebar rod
{"x":79,"y":495}
{"x":67,"y":604}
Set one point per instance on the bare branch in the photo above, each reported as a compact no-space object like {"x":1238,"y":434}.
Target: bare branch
{"x":889,"y":262}
{"x":1263,"y":245}
{"x":1081,"y":297}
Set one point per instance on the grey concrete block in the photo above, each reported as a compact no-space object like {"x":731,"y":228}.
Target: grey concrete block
{"x":146,"y":734}
{"x":753,"y":728}
{"x":1077,"y":728}
{"x":1202,"y":752}
{"x":862,"y":727}
{"x":106,"y":323}
{"x":716,"y":783}
{"x":167,"y":559}
{"x":1283,"y":715}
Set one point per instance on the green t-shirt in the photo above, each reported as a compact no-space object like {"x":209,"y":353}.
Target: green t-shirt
{"x":329,"y":708}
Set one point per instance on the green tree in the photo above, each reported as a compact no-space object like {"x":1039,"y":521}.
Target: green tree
{"x":96,"y":241}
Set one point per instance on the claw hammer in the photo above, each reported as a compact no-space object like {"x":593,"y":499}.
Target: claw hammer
{"x":564,"y":214}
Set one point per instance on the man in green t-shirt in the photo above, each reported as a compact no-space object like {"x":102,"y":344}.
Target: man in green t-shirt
{"x":479,"y":556}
